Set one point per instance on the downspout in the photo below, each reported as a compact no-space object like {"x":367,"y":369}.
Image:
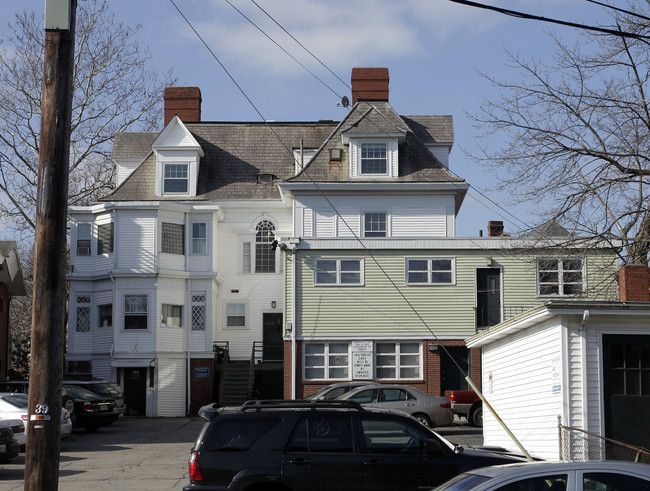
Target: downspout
{"x":187,"y":318}
{"x":293,"y":321}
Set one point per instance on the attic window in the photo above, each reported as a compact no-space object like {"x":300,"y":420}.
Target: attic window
{"x":265,"y":178}
{"x":176,"y":178}
{"x":373,"y":158}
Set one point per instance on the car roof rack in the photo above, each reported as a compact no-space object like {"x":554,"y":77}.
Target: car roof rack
{"x":259,"y":405}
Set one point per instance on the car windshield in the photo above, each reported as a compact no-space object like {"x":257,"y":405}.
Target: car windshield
{"x":79,"y":393}
{"x":463,"y":482}
{"x":18,"y":400}
{"x":105,"y":389}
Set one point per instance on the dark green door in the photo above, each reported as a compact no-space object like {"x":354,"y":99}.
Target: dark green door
{"x":488,"y":297}
{"x":273,"y":349}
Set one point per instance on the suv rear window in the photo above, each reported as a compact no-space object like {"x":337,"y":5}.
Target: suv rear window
{"x":237,"y":435}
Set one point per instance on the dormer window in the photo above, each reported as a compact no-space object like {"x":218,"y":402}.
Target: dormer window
{"x":373,"y":159}
{"x":265,"y":178}
{"x":175,"y":178}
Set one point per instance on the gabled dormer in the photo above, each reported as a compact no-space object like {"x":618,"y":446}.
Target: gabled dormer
{"x":374,"y":136}
{"x":177,"y":160}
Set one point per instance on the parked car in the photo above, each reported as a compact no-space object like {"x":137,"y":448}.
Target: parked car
{"x":22,"y":387}
{"x":607,"y":475}
{"x":467,"y":404}
{"x":318,"y":445}
{"x":333,"y":391}
{"x":429,"y":410}
{"x":103,"y":388}
{"x":92,"y":410}
{"x":15,"y":407}
{"x":9,"y":447}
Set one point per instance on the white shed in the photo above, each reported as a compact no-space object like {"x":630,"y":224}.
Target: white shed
{"x":585,"y":362}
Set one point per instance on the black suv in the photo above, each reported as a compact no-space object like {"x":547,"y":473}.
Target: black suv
{"x":315,"y":445}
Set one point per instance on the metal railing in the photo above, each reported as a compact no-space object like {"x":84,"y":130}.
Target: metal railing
{"x":491,"y":316}
{"x":267,"y":352}
{"x":221,"y":350}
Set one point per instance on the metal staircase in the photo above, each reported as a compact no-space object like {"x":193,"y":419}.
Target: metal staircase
{"x":235,"y":386}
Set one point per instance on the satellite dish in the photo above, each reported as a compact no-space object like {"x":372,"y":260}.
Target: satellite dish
{"x":345,"y":102}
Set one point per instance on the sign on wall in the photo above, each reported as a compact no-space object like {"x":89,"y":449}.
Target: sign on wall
{"x":201,"y":372}
{"x":362,"y":360}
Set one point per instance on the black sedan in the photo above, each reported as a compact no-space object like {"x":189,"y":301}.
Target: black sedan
{"x":91,"y":410}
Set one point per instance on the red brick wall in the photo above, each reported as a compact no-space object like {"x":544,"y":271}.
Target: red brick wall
{"x":634,"y":283}
{"x":184,"y":101}
{"x":430,"y":383}
{"x":369,"y":84}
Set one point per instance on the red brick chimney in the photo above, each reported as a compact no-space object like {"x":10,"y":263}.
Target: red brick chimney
{"x":634,"y":283}
{"x":184,"y":102}
{"x":495,"y":229}
{"x":369,"y":84}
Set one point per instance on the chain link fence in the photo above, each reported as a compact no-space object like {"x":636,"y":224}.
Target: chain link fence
{"x":578,"y":444}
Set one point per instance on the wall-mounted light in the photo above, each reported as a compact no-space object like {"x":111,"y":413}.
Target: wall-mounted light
{"x":288,"y":329}
{"x":488,"y":261}
{"x":273,"y":304}
{"x":234,"y":291}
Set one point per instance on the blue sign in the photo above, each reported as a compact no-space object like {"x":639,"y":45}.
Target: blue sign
{"x":201,"y":372}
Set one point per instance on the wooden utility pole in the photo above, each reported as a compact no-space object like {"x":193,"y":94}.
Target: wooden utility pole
{"x":48,"y":312}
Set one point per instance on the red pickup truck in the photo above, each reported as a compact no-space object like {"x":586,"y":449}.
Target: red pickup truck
{"x":466,"y":403}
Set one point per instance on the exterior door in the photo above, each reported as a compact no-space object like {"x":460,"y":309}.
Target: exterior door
{"x":488,"y":297}
{"x":451,"y":378}
{"x":135,"y":390}
{"x":626,"y":368}
{"x":273,"y":349}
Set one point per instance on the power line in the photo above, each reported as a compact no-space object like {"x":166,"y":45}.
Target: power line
{"x":523,"y":15}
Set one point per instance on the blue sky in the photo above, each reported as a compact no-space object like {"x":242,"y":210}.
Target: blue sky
{"x":434,"y":50}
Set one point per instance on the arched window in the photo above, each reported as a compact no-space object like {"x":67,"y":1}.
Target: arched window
{"x":264,"y":252}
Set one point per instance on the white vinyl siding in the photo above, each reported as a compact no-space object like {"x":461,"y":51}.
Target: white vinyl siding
{"x":171,"y":393}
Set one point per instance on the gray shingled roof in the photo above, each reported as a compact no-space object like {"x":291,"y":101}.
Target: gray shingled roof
{"x":416,"y":163}
{"x":236,"y":152}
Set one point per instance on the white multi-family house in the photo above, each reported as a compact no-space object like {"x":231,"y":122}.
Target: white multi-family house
{"x":294,"y":254}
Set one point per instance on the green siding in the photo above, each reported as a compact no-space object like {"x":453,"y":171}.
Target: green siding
{"x":377,"y":309}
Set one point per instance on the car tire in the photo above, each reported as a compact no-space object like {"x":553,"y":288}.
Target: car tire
{"x":476,"y":416}
{"x":91,"y":428}
{"x":424,"y":419}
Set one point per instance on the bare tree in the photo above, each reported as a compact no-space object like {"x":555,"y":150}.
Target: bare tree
{"x":578,"y":134}
{"x":113,"y":91}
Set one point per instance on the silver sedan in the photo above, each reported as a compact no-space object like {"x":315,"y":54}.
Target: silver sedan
{"x":429,"y":410}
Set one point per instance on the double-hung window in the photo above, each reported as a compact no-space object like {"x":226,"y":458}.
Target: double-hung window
{"x":83,"y":314}
{"x":339,"y":272}
{"x":398,"y":361}
{"x":176,"y":178}
{"x":199,"y":238}
{"x":374,"y":224}
{"x":105,"y":238}
{"x":327,"y":361}
{"x":83,"y":239}
{"x":236,"y":315}
{"x":373,"y":159}
{"x":429,"y":271}
{"x":560,"y":276}
{"x":105,"y":315}
{"x":135,"y":312}
{"x":173,"y":238}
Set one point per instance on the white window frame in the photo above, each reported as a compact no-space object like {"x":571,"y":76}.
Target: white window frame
{"x":144,"y":313}
{"x":167,"y":312}
{"x":356,"y":152}
{"x":175,"y":228}
{"x":199,"y":244}
{"x":228,"y":314}
{"x":430,"y":271}
{"x":327,"y":367}
{"x":84,"y":239}
{"x":260,"y":242}
{"x":560,"y":271}
{"x":83,"y":310}
{"x":307,"y":155}
{"x":366,"y":231}
{"x":247,"y":256}
{"x":398,"y":365}
{"x":338,"y":271}
{"x":99,"y":315}
{"x":111,"y":244}
{"x":165,"y":179}
{"x":378,"y":145}
{"x":198,"y":309}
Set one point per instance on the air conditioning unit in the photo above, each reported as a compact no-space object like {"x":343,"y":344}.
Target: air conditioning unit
{"x":83,"y":251}
{"x":335,"y":154}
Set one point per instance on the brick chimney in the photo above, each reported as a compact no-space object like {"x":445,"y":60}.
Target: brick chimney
{"x":495,"y":229}
{"x":184,"y":102}
{"x":634,"y":283}
{"x":369,"y":84}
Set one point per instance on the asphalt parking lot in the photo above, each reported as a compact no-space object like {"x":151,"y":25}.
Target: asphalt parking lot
{"x":141,"y":454}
